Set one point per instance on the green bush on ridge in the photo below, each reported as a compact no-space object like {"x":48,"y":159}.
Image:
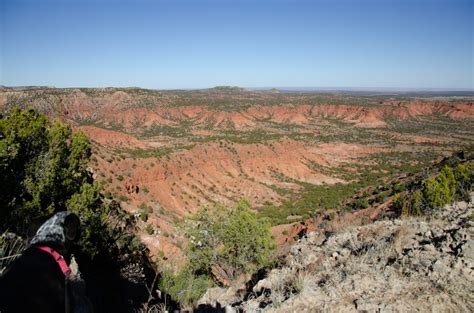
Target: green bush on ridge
{"x":185,"y":286}
{"x":450,"y":184}
{"x":224,"y":243}
{"x":233,"y":239}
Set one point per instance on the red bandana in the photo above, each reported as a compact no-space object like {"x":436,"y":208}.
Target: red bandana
{"x":58,"y":258}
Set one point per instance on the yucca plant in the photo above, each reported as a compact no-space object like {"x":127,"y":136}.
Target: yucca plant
{"x":11,"y":247}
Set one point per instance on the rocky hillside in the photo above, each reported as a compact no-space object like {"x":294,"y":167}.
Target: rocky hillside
{"x":402,"y":265}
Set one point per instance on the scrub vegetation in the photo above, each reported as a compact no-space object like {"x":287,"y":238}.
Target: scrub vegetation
{"x":43,"y":170}
{"x":223,"y":244}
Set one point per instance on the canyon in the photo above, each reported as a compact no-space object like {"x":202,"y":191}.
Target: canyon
{"x":166,"y":154}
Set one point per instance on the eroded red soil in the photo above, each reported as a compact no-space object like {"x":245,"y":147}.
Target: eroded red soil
{"x":176,"y":158}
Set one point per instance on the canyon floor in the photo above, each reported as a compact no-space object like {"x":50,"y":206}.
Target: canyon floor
{"x":166,"y":154}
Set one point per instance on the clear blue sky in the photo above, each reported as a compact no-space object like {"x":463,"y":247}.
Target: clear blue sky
{"x":195,"y":44}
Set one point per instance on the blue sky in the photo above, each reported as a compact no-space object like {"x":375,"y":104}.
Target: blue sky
{"x":196,"y":44}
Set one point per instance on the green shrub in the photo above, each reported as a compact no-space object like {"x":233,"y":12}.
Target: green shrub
{"x":184,"y":287}
{"x":42,"y":165}
{"x":43,"y":170}
{"x":231,"y":239}
{"x":123,"y":198}
{"x":446,"y":178}
{"x":398,"y":188}
{"x":448,"y":185}
{"x":87,"y":204}
{"x":397,"y":203}
{"x":360,"y":203}
{"x":464,"y":176}
{"x":381,"y":197}
{"x":144,"y":216}
{"x":436,"y":193}
{"x":149,"y":229}
{"x":414,"y":206}
{"x":145,"y":208}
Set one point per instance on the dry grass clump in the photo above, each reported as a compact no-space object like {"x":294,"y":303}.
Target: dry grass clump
{"x":11,"y":247}
{"x":402,"y":237}
{"x":157,"y":308}
{"x":285,"y":284}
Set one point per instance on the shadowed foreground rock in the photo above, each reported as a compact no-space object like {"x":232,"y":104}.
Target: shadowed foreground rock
{"x":414,"y":264}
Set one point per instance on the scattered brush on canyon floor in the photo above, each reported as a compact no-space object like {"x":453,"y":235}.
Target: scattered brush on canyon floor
{"x":312,"y":199}
{"x":152,"y":153}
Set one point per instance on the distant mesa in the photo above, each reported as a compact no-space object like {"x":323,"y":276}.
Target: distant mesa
{"x":227,"y":89}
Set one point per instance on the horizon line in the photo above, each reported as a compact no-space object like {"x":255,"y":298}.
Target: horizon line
{"x":284,"y":88}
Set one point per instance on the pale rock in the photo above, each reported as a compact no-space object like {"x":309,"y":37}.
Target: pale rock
{"x":373,"y":268}
{"x":429,"y":248}
{"x":468,"y":249}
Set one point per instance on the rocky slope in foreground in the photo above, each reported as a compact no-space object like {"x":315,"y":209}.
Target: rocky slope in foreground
{"x":415,"y":264}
